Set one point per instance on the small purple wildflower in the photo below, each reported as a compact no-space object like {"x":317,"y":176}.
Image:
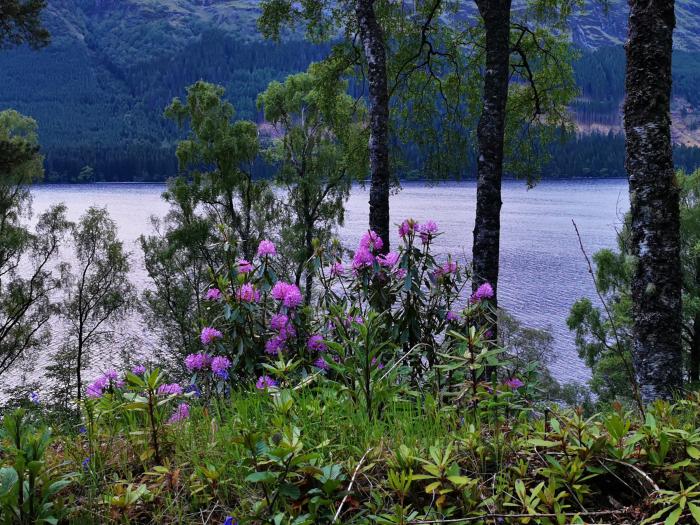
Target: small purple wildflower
{"x":86,"y":464}
{"x":34,"y":398}
{"x":209,"y":335}
{"x":230,"y":521}
{"x":316,"y":343}
{"x":321,"y":364}
{"x":266,"y":248}
{"x":380,"y":366}
{"x":514,"y":383}
{"x":265,"y":382}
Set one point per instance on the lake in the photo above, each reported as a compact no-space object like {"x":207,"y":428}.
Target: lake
{"x":542,"y":269}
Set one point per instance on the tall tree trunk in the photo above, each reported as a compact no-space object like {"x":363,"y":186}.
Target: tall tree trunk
{"x":694,"y":365}
{"x":490,"y":138}
{"x":654,"y":199}
{"x":375,"y":53}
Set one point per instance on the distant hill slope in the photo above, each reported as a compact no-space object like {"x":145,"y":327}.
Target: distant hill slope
{"x":98,"y":91}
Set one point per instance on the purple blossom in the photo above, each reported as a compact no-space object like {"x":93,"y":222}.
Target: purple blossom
{"x":182,"y":412}
{"x":230,"y":521}
{"x":244,"y":266}
{"x":287,"y":293}
{"x":388,"y":260}
{"x":265,"y":382}
{"x":371,"y":241}
{"x":138,"y":370}
{"x":278,"y":321}
{"x":275,"y":345}
{"x":316,"y":343}
{"x":266,"y":248}
{"x":213,"y":294}
{"x":34,"y":398}
{"x":197,"y":361}
{"x":452,"y":316}
{"x":220,"y":366}
{"x":380,"y":366}
{"x":406,"y":227}
{"x":86,"y":464}
{"x":248,"y":294}
{"x":362,"y":258}
{"x":485,"y":291}
{"x":514,"y":383}
{"x":109,"y":379}
{"x":427,"y":231}
{"x":209,"y":335}
{"x":337,"y":269}
{"x":322,"y":364}
{"x":401,"y":273}
{"x":170,"y":389}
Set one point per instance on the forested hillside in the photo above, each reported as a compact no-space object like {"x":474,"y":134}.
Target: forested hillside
{"x":114,"y":65}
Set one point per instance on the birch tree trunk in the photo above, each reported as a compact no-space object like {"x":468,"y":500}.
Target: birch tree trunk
{"x":654,"y":199}
{"x":490,"y":140}
{"x":375,"y":53}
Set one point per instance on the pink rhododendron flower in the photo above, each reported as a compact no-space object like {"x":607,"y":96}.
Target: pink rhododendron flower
{"x":275,"y":345}
{"x":170,"y":389}
{"x":138,"y":370}
{"x":181,"y":413}
{"x":371,"y":241}
{"x":427,"y":231}
{"x":362,"y":258}
{"x":209,"y":335}
{"x":264,"y":382}
{"x":401,"y":273}
{"x":485,"y":291}
{"x":220,"y":366}
{"x":278,"y":321}
{"x":388,"y":260}
{"x":244,"y":266}
{"x":287,"y":293}
{"x":451,"y":316}
{"x":337,"y":269}
{"x":248,"y":294}
{"x":213,"y":294}
{"x":266,"y":248}
{"x":406,"y":227}
{"x":197,"y":361}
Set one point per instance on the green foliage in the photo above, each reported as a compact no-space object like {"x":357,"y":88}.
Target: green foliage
{"x":31,"y":491}
{"x":20,"y":23}
{"x":319,"y":142}
{"x":605,"y":341}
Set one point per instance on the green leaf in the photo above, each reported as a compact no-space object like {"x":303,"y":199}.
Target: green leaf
{"x":8,"y":478}
{"x":261,"y":477}
{"x":672,"y":518}
{"x":693,"y":452}
{"x":695,"y":511}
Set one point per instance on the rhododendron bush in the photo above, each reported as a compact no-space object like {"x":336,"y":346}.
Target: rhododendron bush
{"x":261,"y":325}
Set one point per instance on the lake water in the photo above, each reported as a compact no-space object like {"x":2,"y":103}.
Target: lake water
{"x":542,"y":269}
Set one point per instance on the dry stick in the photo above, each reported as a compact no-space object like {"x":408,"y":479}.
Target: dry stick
{"x":639,"y":471}
{"x":511,"y":516}
{"x":628,"y":366}
{"x":352,"y":480}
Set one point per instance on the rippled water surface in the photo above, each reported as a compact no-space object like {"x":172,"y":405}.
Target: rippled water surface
{"x":542,"y":269}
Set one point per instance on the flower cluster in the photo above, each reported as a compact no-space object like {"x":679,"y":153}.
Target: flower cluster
{"x":209,"y":335}
{"x":109,"y":379}
{"x":265,"y":382}
{"x":182,"y":412}
{"x":286,"y":293}
{"x":219,"y":365}
{"x":281,"y":324}
{"x":483,"y":292}
{"x":266,"y":248}
{"x":213,"y":294}
{"x":248,"y":294}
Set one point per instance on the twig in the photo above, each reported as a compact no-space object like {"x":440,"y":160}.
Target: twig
{"x":352,"y":481}
{"x":628,"y":366}
{"x":511,"y":516}
{"x":639,"y":471}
